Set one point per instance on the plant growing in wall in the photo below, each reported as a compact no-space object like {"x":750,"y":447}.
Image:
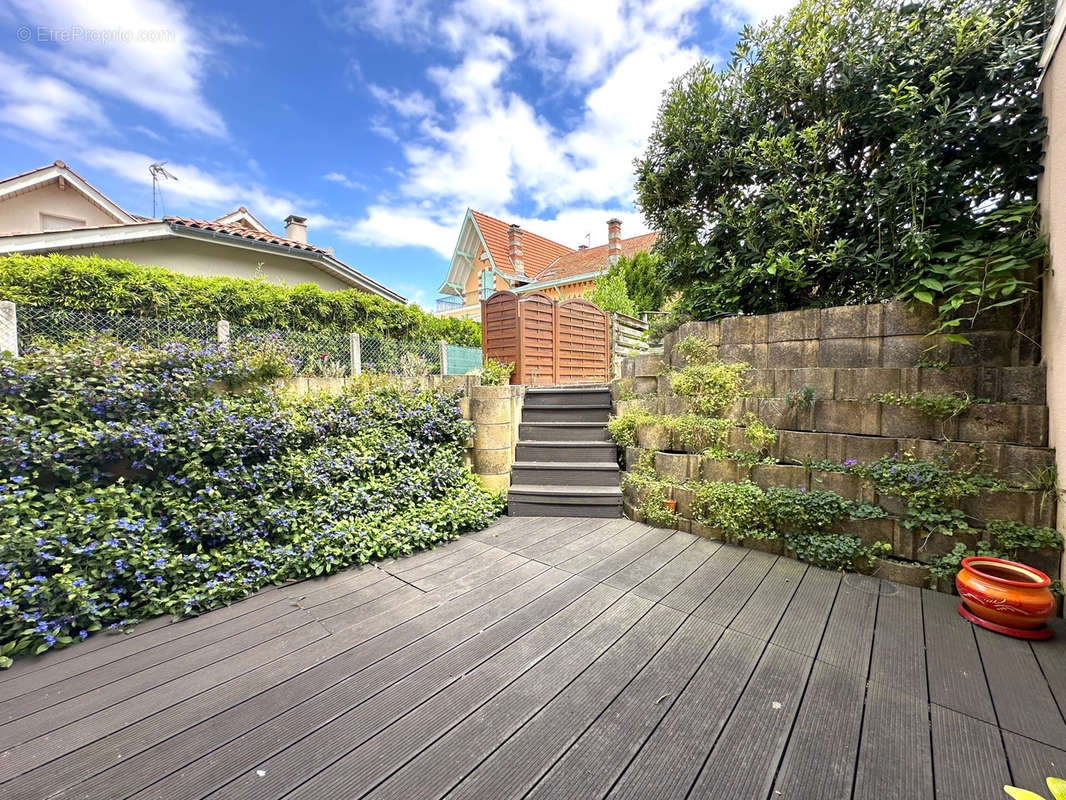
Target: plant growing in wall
{"x":710,"y":388}
{"x":496,"y":374}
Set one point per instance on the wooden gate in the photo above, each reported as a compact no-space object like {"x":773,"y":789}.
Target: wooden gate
{"x":548,"y":342}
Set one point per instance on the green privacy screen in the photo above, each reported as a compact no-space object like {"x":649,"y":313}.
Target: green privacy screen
{"x":463,"y":359}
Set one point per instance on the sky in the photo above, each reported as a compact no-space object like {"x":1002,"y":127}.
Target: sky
{"x":381,"y":121}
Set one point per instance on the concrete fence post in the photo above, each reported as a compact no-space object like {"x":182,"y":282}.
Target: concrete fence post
{"x":9,"y":328}
{"x":356,"y":350}
{"x":443,"y":358}
{"x":223,"y":335}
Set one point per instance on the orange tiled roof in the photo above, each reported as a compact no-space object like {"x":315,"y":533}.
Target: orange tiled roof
{"x":247,"y":233}
{"x":537,"y":252}
{"x":593,"y":259}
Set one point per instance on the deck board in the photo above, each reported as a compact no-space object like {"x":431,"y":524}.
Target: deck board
{"x":547,"y":658}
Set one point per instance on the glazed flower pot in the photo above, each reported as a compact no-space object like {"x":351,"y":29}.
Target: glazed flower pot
{"x":1005,"y":597}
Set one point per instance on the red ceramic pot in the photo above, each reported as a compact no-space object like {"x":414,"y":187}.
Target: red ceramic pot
{"x":670,"y":505}
{"x":1005,"y":596}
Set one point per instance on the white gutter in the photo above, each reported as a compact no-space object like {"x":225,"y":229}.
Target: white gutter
{"x":1054,"y":37}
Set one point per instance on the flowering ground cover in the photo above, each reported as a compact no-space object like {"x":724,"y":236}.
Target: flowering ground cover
{"x":137,"y":482}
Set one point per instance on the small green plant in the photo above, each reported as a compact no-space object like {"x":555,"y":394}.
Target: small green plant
{"x":654,"y":506}
{"x":626,"y":390}
{"x":698,"y":433}
{"x":1057,"y":787}
{"x":711,"y":388}
{"x":760,"y":436}
{"x":938,"y":406}
{"x":945,"y":566}
{"x":736,"y":509}
{"x":623,"y":427}
{"x":696,"y":350}
{"x":800,"y":399}
{"x":1011,"y":537}
{"x":836,"y":552}
{"x":933,"y":358}
{"x":495,"y":373}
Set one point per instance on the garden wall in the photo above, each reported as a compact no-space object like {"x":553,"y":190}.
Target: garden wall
{"x":819,"y":379}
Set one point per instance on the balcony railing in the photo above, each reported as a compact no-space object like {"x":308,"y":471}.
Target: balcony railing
{"x":449,"y":302}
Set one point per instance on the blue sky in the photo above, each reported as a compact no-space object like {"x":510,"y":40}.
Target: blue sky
{"x":379,"y":120}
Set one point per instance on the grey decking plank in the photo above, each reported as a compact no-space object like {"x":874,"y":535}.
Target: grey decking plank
{"x":525,"y":531}
{"x":1020,"y":693}
{"x":742,"y":764}
{"x":763,"y":610}
{"x":899,"y":648}
{"x":403,"y":564}
{"x":956,"y":677}
{"x":849,"y":633}
{"x":671,"y":758}
{"x":350,"y":758}
{"x":333,"y":660}
{"x":351,"y":600}
{"x":549,"y":724}
{"x":309,"y":595}
{"x":804,"y":621}
{"x":148,"y":648}
{"x":968,"y":755}
{"x":603,"y":548}
{"x":331,"y":722}
{"x":628,"y":577}
{"x":1051,"y":655}
{"x":620,"y":559}
{"x":592,"y":539}
{"x":435,"y":565}
{"x":592,"y":765}
{"x":668,"y":577}
{"x":694,"y":589}
{"x":171,"y":678}
{"x":582,"y":529}
{"x":726,"y":601}
{"x":894,"y":752}
{"x":471,"y":580}
{"x":819,"y":760}
{"x":1032,"y":762}
{"x":383,"y":602}
{"x":445,"y":576}
{"x":504,"y":527}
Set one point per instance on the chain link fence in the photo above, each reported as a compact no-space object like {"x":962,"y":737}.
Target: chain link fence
{"x":313,"y":353}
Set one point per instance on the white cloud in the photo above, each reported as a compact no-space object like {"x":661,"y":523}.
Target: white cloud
{"x":141,"y":51}
{"x":45,"y":106}
{"x":737,"y":13}
{"x":197,"y":191}
{"x":482,"y":145}
{"x":413,"y":104}
{"x":343,"y":180}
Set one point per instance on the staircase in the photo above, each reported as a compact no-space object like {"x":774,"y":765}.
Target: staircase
{"x":565,"y":464}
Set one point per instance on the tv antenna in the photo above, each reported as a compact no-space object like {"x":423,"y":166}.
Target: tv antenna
{"x":159,"y":172}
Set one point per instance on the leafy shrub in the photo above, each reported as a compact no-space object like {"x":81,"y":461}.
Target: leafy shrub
{"x":699,"y":433}
{"x":800,"y":511}
{"x":609,"y":292}
{"x":496,"y":374}
{"x":1012,"y":536}
{"x":852,"y":151}
{"x":710,"y":387}
{"x":114,"y":286}
{"x":134,"y":482}
{"x":759,"y":435}
{"x":937,"y":406}
{"x":736,"y":509}
{"x":696,"y":350}
{"x":623,"y":427}
{"x":837,"y":552}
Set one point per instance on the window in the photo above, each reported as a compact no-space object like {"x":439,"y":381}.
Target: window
{"x":486,"y":283}
{"x":55,"y":222}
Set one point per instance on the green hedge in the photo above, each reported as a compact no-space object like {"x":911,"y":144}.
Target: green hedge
{"x":114,"y":286}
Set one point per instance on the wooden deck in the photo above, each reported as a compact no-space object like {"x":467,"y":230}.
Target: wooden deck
{"x":547,"y":658}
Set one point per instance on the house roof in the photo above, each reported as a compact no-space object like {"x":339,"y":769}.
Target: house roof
{"x":593,"y":259}
{"x":57,"y":170}
{"x":243,"y":233}
{"x":537,"y":251}
{"x":242,"y":215}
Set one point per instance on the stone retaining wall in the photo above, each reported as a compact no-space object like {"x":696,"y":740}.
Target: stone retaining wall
{"x":845,"y":355}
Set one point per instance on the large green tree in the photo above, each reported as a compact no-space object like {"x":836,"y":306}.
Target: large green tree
{"x":852,"y":151}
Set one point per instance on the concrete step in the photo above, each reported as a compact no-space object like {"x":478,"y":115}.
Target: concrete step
{"x":564,"y":501}
{"x":561,"y":473}
{"x":529,"y":432}
{"x":568,"y":451}
{"x":565,"y":413}
{"x":592,"y":397}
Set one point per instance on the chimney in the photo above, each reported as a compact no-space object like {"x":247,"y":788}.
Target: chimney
{"x":296,"y":228}
{"x":514,"y":248}
{"x":614,"y":240}
{"x":582,"y":247}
